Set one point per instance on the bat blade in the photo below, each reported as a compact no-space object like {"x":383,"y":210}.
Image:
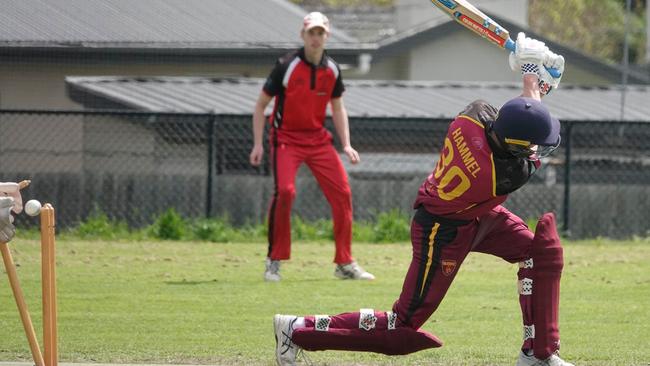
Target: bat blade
{"x":475,"y":20}
{"x":478,"y":22}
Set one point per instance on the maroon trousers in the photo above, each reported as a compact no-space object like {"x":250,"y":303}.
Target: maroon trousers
{"x":325,"y":164}
{"x":439,"y":248}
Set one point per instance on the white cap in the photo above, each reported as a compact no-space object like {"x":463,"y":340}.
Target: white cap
{"x":315,"y":19}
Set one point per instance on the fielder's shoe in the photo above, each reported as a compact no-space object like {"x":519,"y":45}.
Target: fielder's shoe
{"x":352,"y":271}
{"x":285,"y":349}
{"x":554,"y":360}
{"x":272,"y":272}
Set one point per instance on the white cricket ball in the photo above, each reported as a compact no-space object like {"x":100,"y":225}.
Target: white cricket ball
{"x":32,"y":207}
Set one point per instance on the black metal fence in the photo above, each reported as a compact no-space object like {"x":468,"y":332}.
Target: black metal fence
{"x":134,"y":165}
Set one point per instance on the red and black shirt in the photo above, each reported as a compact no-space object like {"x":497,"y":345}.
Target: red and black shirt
{"x":302,"y":91}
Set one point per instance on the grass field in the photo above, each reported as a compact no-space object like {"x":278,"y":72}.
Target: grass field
{"x":195,"y":302}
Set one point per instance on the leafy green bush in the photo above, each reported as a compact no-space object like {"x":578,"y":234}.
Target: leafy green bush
{"x":169,"y":226}
{"x":99,"y":226}
{"x":389,"y":227}
{"x":392,"y":226}
{"x":315,"y":230}
{"x":214,"y":230}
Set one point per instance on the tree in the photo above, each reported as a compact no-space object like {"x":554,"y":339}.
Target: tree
{"x":596,"y":27}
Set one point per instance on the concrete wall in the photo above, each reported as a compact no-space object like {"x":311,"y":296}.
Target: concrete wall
{"x":40,"y":84}
{"x":29,"y":143}
{"x":462,"y":56}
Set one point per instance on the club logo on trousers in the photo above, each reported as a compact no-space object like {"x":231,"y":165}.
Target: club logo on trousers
{"x":448,"y":266}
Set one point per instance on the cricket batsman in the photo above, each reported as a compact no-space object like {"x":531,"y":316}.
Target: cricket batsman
{"x":487,"y":154}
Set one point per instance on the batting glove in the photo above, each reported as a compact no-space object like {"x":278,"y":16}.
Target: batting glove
{"x":547,"y":82}
{"x":529,"y":55}
{"x":7,"y":228}
{"x":10,"y":189}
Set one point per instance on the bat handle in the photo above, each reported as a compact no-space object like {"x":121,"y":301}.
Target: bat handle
{"x":512,"y":46}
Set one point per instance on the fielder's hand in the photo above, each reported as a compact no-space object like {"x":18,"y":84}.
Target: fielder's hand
{"x":257,"y":153}
{"x":352,"y":154}
{"x":7,"y":228}
{"x":10,"y":189}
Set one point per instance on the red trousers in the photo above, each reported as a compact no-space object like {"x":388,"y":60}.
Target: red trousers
{"x":325,"y":164}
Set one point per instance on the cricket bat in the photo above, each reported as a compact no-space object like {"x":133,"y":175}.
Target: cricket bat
{"x":475,"y":20}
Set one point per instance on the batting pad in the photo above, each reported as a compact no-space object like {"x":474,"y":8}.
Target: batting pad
{"x":400,"y":341}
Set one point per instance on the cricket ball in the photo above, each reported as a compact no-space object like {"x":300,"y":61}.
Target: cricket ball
{"x":32,"y":207}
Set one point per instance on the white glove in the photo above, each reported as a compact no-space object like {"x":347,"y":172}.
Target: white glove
{"x":7,"y":229}
{"x":533,"y":57}
{"x":529,"y":55}
{"x":547,"y":82}
{"x":10,"y":189}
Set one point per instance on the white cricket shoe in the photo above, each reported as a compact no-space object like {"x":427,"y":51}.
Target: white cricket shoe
{"x":554,"y":360}
{"x":352,"y":271}
{"x":272,"y":272}
{"x":285,"y":349}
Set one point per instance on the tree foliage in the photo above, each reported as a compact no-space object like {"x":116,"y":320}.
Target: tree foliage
{"x":596,"y":27}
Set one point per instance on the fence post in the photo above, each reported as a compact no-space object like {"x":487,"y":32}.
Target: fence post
{"x":567,"y":181}
{"x":210,"y":170}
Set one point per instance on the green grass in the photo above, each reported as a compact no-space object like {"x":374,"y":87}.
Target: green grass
{"x":201,"y":302}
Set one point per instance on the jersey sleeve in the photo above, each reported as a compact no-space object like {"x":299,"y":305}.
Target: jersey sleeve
{"x":273,"y":84}
{"x":339,"y":88}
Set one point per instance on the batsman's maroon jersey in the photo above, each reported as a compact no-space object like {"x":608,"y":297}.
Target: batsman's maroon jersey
{"x":470,"y":178}
{"x":302,"y":91}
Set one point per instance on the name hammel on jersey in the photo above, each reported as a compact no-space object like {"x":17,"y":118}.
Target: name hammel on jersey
{"x":302,"y":91}
{"x":470,"y":178}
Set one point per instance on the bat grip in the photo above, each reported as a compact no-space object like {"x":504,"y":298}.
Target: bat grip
{"x":512,"y":46}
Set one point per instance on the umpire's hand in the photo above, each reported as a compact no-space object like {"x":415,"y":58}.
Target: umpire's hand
{"x":7,"y":228}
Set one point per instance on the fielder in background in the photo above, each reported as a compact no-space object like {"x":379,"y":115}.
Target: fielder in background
{"x":303,"y":83}
{"x":486,"y":155}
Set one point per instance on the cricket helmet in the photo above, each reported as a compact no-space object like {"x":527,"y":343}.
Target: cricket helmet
{"x":526,"y":128}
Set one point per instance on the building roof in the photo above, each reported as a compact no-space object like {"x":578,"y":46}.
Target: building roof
{"x":155,"y":24}
{"x":363,"y":98}
{"x":365,"y":22}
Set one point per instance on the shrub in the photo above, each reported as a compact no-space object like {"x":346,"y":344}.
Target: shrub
{"x":392,"y":226}
{"x":99,"y":226}
{"x":169,"y":226}
{"x":214,"y":230}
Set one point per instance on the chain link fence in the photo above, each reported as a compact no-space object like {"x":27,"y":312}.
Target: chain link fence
{"x":132,"y":166}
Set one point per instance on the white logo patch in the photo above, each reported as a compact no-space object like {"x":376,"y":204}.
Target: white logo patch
{"x":526,"y":286}
{"x":367,"y":319}
{"x":391,"y":319}
{"x":322,"y":323}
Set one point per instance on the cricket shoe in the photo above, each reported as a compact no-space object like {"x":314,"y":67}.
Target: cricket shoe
{"x":285,"y":350}
{"x":272,"y":272}
{"x":554,"y":360}
{"x":352,"y":271}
